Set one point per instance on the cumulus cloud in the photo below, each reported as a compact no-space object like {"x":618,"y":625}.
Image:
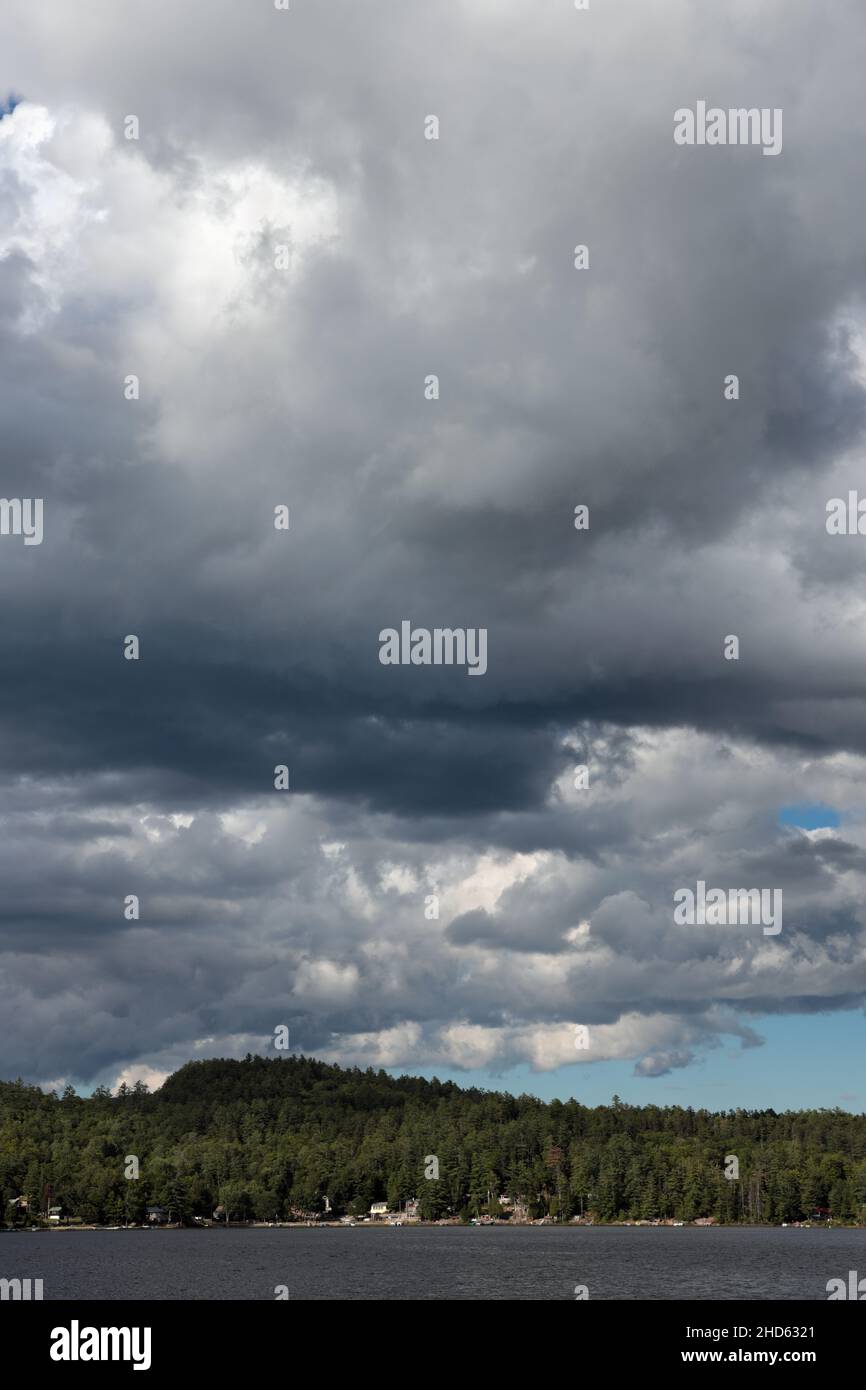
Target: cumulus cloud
{"x":303,"y":386}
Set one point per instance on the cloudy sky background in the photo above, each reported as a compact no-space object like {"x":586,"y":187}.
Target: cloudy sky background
{"x":305,"y":387}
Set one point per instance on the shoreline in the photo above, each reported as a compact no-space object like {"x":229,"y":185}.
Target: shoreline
{"x":446,"y":1225}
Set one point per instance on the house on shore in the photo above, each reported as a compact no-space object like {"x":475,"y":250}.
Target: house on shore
{"x":514,"y":1208}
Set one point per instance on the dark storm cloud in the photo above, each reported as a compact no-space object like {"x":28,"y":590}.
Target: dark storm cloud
{"x":260,"y":648}
{"x":467,"y":503}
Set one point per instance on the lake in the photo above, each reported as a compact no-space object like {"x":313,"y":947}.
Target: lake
{"x":535,"y":1263}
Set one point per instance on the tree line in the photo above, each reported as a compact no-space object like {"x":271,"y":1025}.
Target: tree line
{"x":267,"y":1139}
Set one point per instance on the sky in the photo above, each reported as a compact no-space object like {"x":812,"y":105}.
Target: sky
{"x":240,"y":208}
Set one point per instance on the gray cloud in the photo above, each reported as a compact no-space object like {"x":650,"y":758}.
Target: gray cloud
{"x":306,"y":388}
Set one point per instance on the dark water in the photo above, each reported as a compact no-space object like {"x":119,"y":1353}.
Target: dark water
{"x":532,"y":1263}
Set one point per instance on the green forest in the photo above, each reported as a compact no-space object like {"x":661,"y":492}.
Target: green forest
{"x":268,"y":1139}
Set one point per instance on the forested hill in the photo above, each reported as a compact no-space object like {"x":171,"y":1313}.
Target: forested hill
{"x":274,"y":1137}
